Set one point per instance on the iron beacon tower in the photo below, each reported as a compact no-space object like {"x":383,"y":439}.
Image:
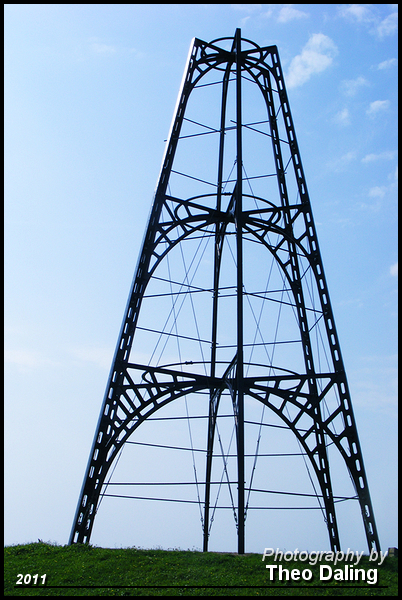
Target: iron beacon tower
{"x":229,"y":304}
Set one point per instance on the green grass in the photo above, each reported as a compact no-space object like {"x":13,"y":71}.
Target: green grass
{"x":106,"y":572}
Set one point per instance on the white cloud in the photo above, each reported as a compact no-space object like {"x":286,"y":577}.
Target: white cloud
{"x":356,"y":12}
{"x":288,"y":13}
{"x":348,"y":157}
{"x":387,"y":155}
{"x":339,"y":164}
{"x":101,"y":357}
{"x":316,"y":56}
{"x":387,"y":64}
{"x":246,"y":7}
{"x":375,"y":384}
{"x":342,"y":117}
{"x":99,"y":48}
{"x":377,"y":106}
{"x":394,"y":270}
{"x":378,"y":191}
{"x":350,"y":87}
{"x":29,"y":359}
{"x":363,"y":13}
{"x":389,"y":25}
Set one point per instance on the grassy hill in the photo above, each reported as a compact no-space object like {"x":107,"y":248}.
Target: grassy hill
{"x":82,"y":570}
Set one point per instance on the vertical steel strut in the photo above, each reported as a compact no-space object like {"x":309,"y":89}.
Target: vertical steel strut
{"x":239,"y":247}
{"x":220,"y":228}
{"x":312,"y":400}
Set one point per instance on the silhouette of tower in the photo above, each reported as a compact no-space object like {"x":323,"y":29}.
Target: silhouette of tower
{"x":229,"y":298}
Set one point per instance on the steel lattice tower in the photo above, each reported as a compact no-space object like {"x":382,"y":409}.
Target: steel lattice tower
{"x":234,"y":209}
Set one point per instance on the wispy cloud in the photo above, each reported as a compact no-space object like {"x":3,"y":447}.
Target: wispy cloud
{"x":29,"y":359}
{"x":375,"y":384}
{"x":282,"y":13}
{"x":339,"y":164}
{"x":388,"y":26}
{"x":356,"y":12}
{"x":393,"y":270}
{"x":387,"y":155}
{"x":378,"y":191}
{"x":101,"y":357}
{"x":288,"y":13}
{"x":377,"y":106}
{"x":316,"y":56}
{"x":98,"y":47}
{"x":368,"y":15}
{"x":342,"y":117}
{"x":387,"y":64}
{"x":247,"y":7}
{"x":350,"y":87}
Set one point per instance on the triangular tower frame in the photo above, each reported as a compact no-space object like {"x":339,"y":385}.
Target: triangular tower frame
{"x":286,"y":229}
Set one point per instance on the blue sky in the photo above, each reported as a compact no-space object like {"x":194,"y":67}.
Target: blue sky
{"x":89,"y":96}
